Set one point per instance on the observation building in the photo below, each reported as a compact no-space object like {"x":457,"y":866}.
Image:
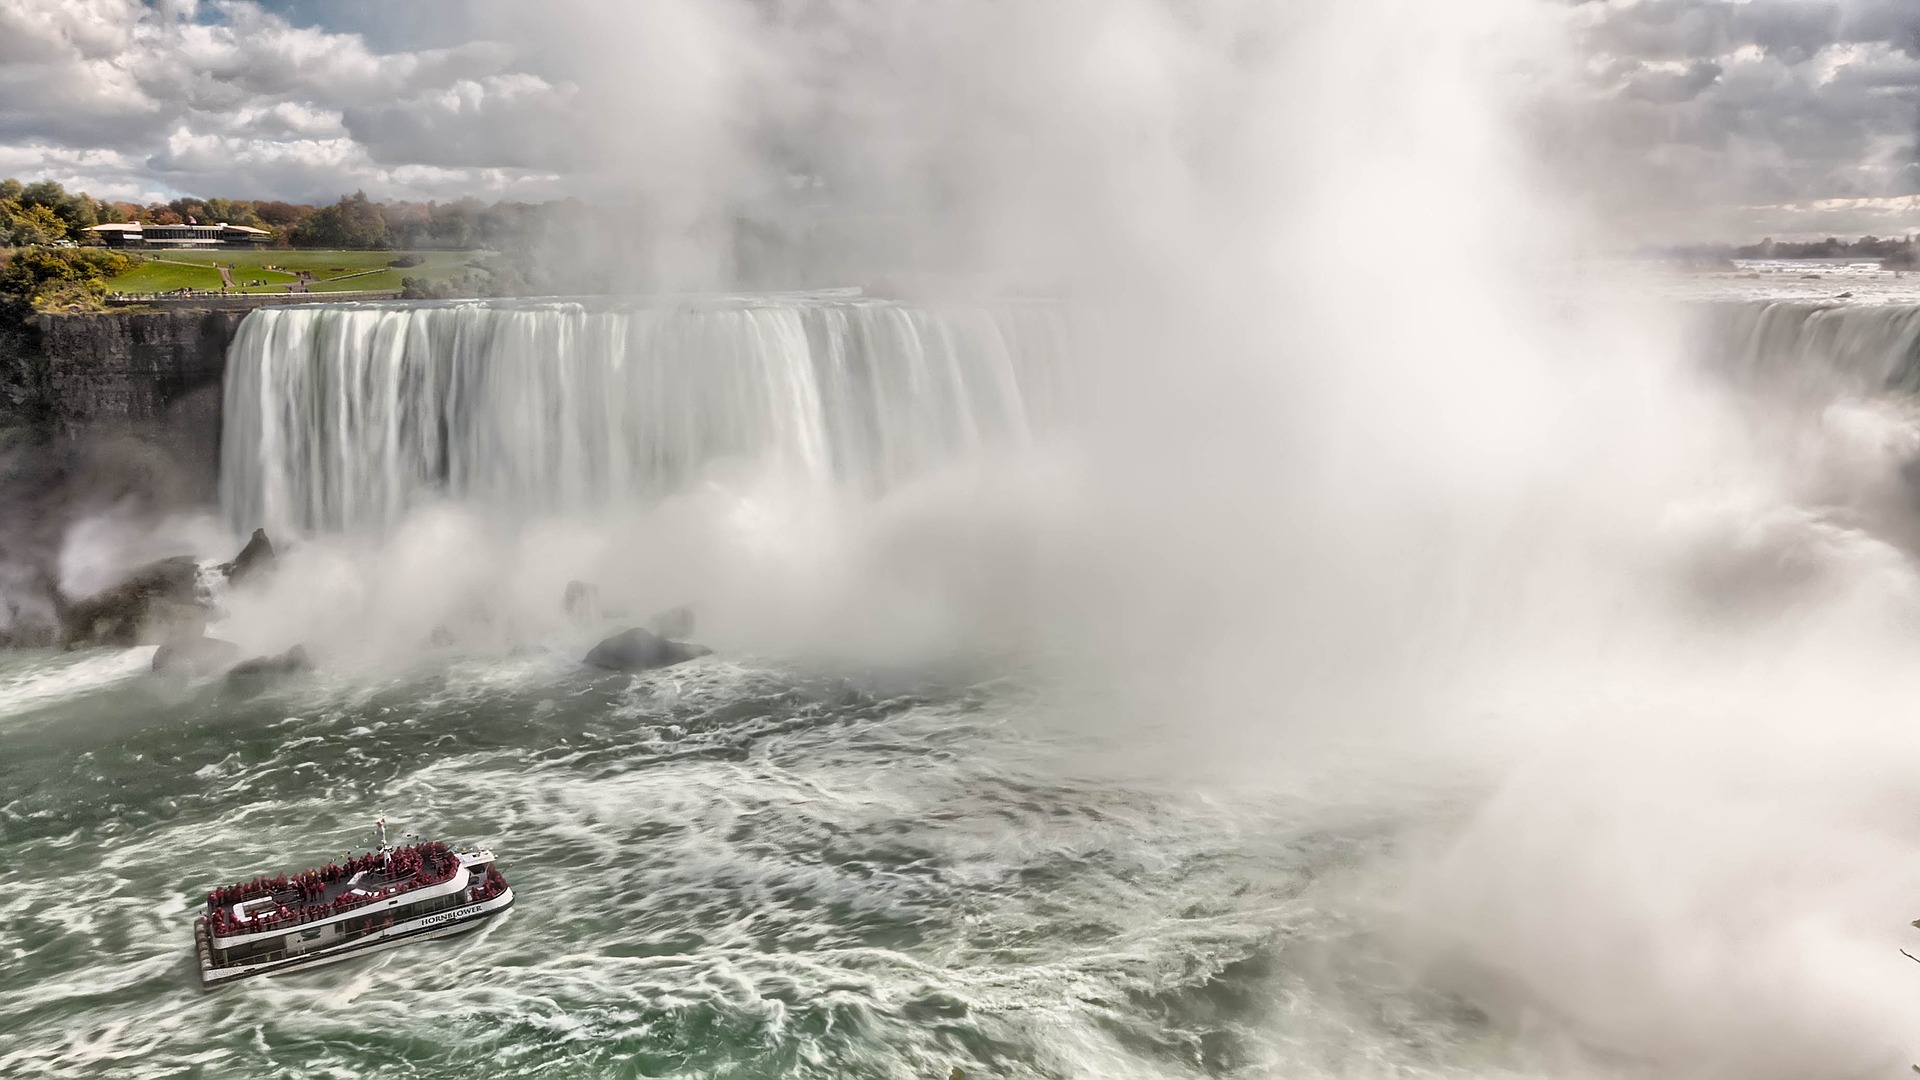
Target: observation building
{"x":222,"y":235}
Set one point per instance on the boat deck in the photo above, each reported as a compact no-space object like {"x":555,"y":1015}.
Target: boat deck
{"x":268,"y":903}
{"x":363,"y":883}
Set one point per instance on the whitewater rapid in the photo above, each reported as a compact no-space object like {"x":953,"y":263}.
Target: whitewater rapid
{"x":725,"y":868}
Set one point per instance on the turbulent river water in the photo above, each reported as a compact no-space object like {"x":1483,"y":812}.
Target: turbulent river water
{"x":726,"y":870}
{"x":756,"y":864}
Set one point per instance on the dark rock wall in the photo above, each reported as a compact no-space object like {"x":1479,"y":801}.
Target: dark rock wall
{"x":153,"y":377}
{"x":112,"y":416}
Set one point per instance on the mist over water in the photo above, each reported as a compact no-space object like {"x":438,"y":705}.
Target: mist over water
{"x":1328,"y":635}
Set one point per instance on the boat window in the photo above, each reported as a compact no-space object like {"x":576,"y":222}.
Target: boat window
{"x":252,"y":952}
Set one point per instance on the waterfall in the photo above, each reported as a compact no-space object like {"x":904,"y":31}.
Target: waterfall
{"x":1816,"y":352}
{"x":343,"y":417}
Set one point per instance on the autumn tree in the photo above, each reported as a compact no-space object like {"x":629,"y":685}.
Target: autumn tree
{"x":74,"y":209}
{"x":282,"y":215}
{"x":354,"y":222}
{"x":29,"y":226}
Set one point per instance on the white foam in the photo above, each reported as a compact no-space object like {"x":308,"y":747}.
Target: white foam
{"x":32,"y":679}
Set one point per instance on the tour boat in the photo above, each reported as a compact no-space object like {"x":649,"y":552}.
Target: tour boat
{"x":373,"y":902}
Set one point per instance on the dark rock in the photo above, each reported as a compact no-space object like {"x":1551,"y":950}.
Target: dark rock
{"x":256,"y":558}
{"x":25,"y":630}
{"x":50,"y":481}
{"x":674,"y":622}
{"x":152,"y":376}
{"x":638,"y":650}
{"x":441,"y":637}
{"x":195,"y":656}
{"x":291,"y":662}
{"x":155,"y":603}
{"x":582,"y":601}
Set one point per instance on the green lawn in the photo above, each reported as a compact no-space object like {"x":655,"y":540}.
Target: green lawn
{"x":333,"y":271}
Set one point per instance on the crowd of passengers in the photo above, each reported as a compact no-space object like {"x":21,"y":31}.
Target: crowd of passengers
{"x":489,"y":887}
{"x":406,"y":868}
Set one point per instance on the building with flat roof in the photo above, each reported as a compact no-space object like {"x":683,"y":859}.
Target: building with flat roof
{"x":134,"y":234}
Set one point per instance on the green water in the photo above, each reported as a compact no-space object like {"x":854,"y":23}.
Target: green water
{"x":723,"y":871}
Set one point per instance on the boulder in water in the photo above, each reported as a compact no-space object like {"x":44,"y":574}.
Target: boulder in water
{"x":441,"y":637}
{"x":195,"y":656}
{"x":638,"y":650}
{"x":157,"y":602}
{"x":291,"y":662}
{"x":254,"y":559}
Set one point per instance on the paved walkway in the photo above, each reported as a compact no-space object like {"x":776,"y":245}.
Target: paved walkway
{"x":207,"y":301}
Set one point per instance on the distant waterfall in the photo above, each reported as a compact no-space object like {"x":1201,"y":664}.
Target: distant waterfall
{"x":1816,"y":352}
{"x":345,"y":416}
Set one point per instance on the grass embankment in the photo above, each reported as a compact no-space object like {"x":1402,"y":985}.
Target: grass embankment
{"x":269,"y":271}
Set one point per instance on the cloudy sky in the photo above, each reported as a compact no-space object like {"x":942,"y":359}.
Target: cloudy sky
{"x":300,"y":100}
{"x":1785,"y":116}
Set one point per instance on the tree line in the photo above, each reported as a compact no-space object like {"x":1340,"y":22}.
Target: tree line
{"x":1900,"y":249}
{"x":1893,"y":253}
{"x":45,"y":213}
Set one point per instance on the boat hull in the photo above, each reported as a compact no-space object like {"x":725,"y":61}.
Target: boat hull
{"x":426,"y":928}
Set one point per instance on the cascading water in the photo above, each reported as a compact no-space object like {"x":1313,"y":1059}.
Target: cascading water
{"x":346,"y":417}
{"x":1827,"y":393}
{"x":1816,"y":351}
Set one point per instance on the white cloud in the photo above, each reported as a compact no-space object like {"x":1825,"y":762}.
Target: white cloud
{"x":1693,"y":107}
{"x":34,"y":32}
{"x":1711,"y":118}
{"x":228,"y":98}
{"x":515,"y":120}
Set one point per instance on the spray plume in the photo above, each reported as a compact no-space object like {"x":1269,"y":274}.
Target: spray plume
{"x":1350,"y":457}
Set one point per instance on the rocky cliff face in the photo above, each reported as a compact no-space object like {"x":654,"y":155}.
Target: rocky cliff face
{"x":105,"y":418}
{"x":150,"y":376}
{"x":138,"y":368}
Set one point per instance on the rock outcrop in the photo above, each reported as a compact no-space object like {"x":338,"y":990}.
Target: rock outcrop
{"x":291,"y":662}
{"x":582,"y":603}
{"x":254,"y":560}
{"x":23,"y":631}
{"x":117,"y":412}
{"x":153,"y":375}
{"x":157,"y":602}
{"x":639,"y":650}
